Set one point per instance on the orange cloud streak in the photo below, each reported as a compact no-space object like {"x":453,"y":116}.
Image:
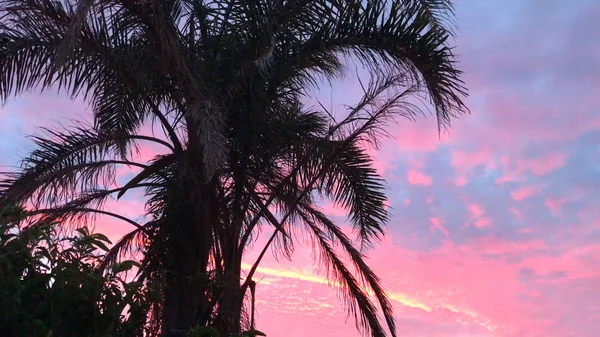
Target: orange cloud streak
{"x":398,"y":297}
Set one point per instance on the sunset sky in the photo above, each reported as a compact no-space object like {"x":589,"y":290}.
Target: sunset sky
{"x":495,"y":227}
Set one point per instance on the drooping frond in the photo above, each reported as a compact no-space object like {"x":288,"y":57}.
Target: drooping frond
{"x":61,"y":164}
{"x":131,"y":243}
{"x":67,"y":163}
{"x":354,"y":184}
{"x":95,"y":53}
{"x":440,"y":14}
{"x":367,"y":275}
{"x":334,"y":164}
{"x":355,"y":297}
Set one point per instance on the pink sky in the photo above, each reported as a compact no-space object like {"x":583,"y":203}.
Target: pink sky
{"x":496,"y":227}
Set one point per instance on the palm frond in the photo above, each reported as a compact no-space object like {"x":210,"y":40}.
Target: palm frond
{"x":402,"y":37}
{"x":322,"y":160}
{"x":157,"y":165}
{"x":65,"y":163}
{"x":51,"y":168}
{"x":92,"y":51}
{"x":27,"y":46}
{"x":439,"y":12}
{"x":354,"y":295}
{"x":227,"y":80}
{"x":129,"y":243}
{"x":354,"y":184}
{"x":353,"y":175}
{"x":367,"y":275}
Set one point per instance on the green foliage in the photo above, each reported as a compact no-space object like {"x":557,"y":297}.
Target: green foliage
{"x":252,"y":333}
{"x":203,"y":331}
{"x":50,"y":285}
{"x":207,"y":331}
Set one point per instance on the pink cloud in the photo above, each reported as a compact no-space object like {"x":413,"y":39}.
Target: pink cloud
{"x":577,"y":263}
{"x":516,"y":212}
{"x":497,"y":246}
{"x":46,"y":109}
{"x":476,"y":210}
{"x":383,"y":160}
{"x":418,"y":137}
{"x":461,"y":181}
{"x":506,"y":178}
{"x":447,"y":281}
{"x":554,"y":204}
{"x":524,"y":192}
{"x":454,"y":283}
{"x":543,"y":164}
{"x":417,"y":178}
{"x":438,"y":224}
{"x":334,"y":210}
{"x":464,"y":161}
{"x":524,"y":230}
{"x":506,"y":124}
{"x":477,"y":217}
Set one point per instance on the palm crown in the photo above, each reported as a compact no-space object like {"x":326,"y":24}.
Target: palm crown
{"x":226,"y":81}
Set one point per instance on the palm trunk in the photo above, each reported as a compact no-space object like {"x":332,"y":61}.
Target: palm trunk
{"x":190,"y":239}
{"x":181,"y":304}
{"x":186,"y":286}
{"x":229,"y":311}
{"x":186,"y":301}
{"x":230,"y":306}
{"x":228,"y":320}
{"x":252,"y":298}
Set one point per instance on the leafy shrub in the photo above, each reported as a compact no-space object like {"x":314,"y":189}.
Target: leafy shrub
{"x":50,"y":285}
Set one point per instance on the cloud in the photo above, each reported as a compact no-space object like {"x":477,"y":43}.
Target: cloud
{"x":554,"y":205}
{"x":461,"y":181}
{"x":437,"y":224}
{"x":544,"y":164}
{"x":417,"y":178}
{"x":524,"y":192}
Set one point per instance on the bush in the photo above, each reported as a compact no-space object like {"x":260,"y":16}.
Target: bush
{"x":50,"y":285}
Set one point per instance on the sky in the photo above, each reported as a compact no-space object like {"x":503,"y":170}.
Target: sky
{"x":495,"y":231}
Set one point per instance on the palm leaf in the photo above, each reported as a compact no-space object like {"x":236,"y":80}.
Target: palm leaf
{"x":355,"y":297}
{"x":155,"y":168}
{"x":367,"y":275}
{"x":67,"y":162}
{"x":354,"y":184}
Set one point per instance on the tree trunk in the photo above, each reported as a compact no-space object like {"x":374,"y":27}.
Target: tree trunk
{"x":183,"y":299}
{"x":185,"y":293}
{"x":190,"y":240}
{"x":230,"y":302}
{"x":228,"y":320}
{"x":186,"y":301}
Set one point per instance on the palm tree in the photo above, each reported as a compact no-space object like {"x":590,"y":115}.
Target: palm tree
{"x":226,"y":81}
